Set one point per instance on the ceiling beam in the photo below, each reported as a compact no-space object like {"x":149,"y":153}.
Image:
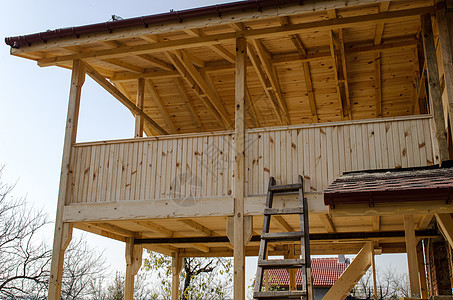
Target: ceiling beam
{"x":196,"y":227}
{"x":156,"y":62}
{"x":283,"y":224}
{"x":269,"y":70}
{"x":96,"y":76}
{"x":264,"y":82}
{"x":376,"y":223}
{"x":328,"y":223}
{"x":191,"y":42}
{"x":378,"y":33}
{"x":220,"y":50}
{"x":190,"y":108}
{"x":124,"y":65}
{"x":250,"y":108}
{"x":155,"y":228}
{"x":161,"y":106}
{"x":297,"y":41}
{"x":204,"y":86}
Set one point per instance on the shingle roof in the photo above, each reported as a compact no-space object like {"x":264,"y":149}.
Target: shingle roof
{"x":325,"y":272}
{"x":416,"y":184}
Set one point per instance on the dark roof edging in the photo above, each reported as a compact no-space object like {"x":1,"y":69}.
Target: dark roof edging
{"x":145,"y":21}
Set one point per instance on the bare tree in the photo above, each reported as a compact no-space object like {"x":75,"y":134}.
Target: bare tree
{"x":25,"y":257}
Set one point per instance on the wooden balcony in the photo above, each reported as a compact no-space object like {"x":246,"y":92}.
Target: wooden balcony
{"x":192,"y":174}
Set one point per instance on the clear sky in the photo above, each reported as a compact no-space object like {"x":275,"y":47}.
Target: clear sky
{"x":33,"y":104}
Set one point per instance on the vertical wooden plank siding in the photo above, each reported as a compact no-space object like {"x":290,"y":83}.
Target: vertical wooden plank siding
{"x":202,"y":166}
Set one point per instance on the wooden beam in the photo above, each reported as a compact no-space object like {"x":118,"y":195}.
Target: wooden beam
{"x":194,"y":79}
{"x":156,"y":62}
{"x":177,"y":263}
{"x":239,"y":169}
{"x":446,"y":50}
{"x":445,"y":222}
{"x":161,"y":106}
{"x":283,"y":224}
{"x":265,"y":82}
{"x":216,"y":48}
{"x":326,"y":220}
{"x":422,"y":271}
{"x":435,"y":93}
{"x":425,"y":220}
{"x":63,"y":231}
{"x":379,"y":29}
{"x":269,"y":70}
{"x":201,"y":247}
{"x":297,"y":41}
{"x":362,"y":20}
{"x":124,"y":65}
{"x":378,"y":33}
{"x":115,"y":229}
{"x":250,"y":107}
{"x":411,"y":250}
{"x":133,"y":263}
{"x":123,"y":99}
{"x":197,"y":227}
{"x":352,"y":274}
{"x":190,"y":108}
{"x":373,"y":266}
{"x":155,"y":227}
{"x":139,"y":103}
{"x":376,"y":223}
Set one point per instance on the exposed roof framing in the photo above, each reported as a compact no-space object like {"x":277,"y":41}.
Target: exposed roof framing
{"x":271,"y":75}
{"x":160,"y":105}
{"x":123,"y":99}
{"x":191,"y":42}
{"x":190,"y":108}
{"x":216,"y":48}
{"x":297,"y":41}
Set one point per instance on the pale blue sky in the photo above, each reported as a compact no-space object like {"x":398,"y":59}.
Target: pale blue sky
{"x":33,"y":103}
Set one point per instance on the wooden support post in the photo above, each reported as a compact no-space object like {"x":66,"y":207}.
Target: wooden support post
{"x":411,"y":250}
{"x":373,"y":266}
{"x":140,"y":99}
{"x":435,"y":93}
{"x":446,"y":48}
{"x":176,"y":268}
{"x":239,"y":170}
{"x":63,"y":231}
{"x":422,"y":271}
{"x":133,"y":263}
{"x":445,"y":222}
{"x":292,"y":272}
{"x":352,"y":274}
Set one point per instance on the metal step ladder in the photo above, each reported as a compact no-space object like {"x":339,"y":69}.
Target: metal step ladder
{"x":303,"y":262}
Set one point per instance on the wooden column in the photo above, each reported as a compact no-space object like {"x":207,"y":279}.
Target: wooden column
{"x":422,"y":271}
{"x":446,"y":49}
{"x":292,"y":272}
{"x":176,"y":268}
{"x":139,"y":103}
{"x":239,"y":170}
{"x":435,"y":94}
{"x":373,"y":266}
{"x":63,"y":231}
{"x":445,"y":222}
{"x":411,"y":250}
{"x":133,"y":263}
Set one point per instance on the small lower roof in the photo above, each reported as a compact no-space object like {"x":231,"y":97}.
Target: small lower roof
{"x":395,"y":185}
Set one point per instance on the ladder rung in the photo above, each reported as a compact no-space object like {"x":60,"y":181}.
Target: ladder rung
{"x":284,"y":188}
{"x":281,"y":263}
{"x":284,"y":211}
{"x":279,"y":294}
{"x":283,"y":236}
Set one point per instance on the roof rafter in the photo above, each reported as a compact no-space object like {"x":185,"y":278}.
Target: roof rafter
{"x":186,"y":98}
{"x":193,"y":85}
{"x":220,"y":50}
{"x":337,"y":23}
{"x":96,"y":76}
{"x":269,"y":70}
{"x":161,"y":106}
{"x":297,"y":41}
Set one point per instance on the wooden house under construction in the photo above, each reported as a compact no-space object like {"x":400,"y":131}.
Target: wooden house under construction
{"x":356,"y":96}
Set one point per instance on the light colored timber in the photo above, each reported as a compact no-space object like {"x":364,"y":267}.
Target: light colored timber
{"x":63,"y":231}
{"x":192,"y":42}
{"x":157,"y":62}
{"x":411,"y":249}
{"x":239,"y":169}
{"x":422,"y":271}
{"x":378,"y":33}
{"x":271,"y":75}
{"x":248,"y":229}
{"x":250,"y":107}
{"x":186,"y":98}
{"x":177,"y":264}
{"x":139,"y":103}
{"x":161,"y":106}
{"x":445,"y":222}
{"x":96,"y":76}
{"x":216,"y":48}
{"x":352,"y":274}
{"x":283,"y":224}
{"x":197,"y":227}
{"x":327,"y":222}
{"x":124,"y":65}
{"x":155,"y":227}
{"x":446,"y":49}
{"x":265,"y":82}
{"x":434,"y":87}
{"x":376,"y":223}
{"x":133,"y":263}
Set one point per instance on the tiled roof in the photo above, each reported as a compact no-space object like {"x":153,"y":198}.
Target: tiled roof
{"x":325,"y":272}
{"x":417,"y":184}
